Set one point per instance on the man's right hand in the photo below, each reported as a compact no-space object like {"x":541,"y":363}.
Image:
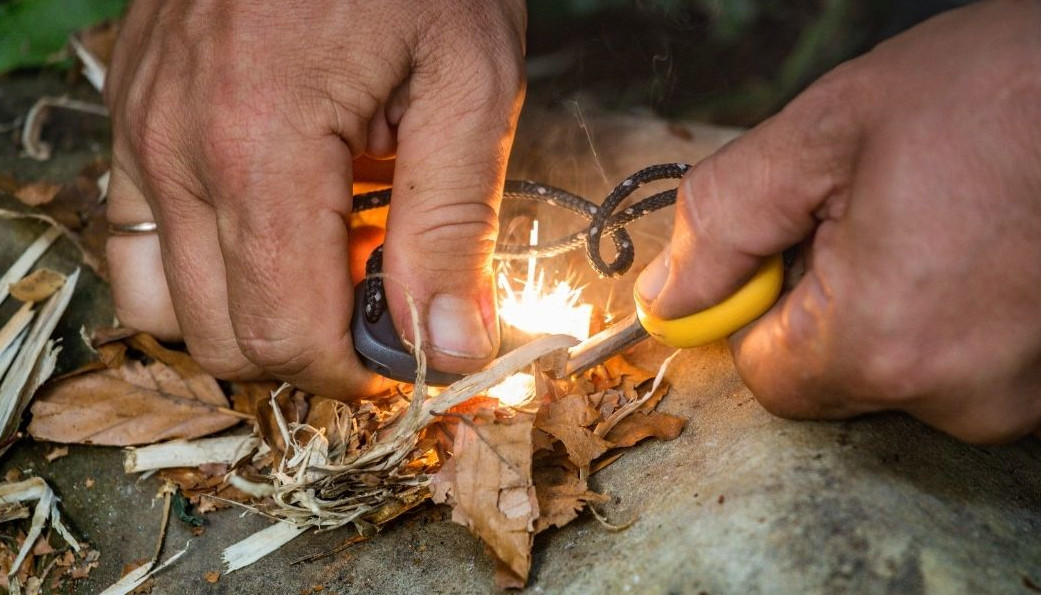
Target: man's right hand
{"x":913,"y":175}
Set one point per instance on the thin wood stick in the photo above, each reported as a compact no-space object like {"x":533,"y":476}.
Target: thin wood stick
{"x":12,"y":335}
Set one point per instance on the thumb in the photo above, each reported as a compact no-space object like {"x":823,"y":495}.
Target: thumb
{"x":453,"y":144}
{"x":756,"y":197}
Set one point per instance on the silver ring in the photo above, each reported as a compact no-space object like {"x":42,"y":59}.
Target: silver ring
{"x":132,"y":229}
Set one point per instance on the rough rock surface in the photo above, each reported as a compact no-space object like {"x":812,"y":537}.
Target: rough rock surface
{"x":742,"y":502}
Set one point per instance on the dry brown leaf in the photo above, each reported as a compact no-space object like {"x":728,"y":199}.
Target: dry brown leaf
{"x":211,"y":577}
{"x":37,"y":193}
{"x":659,"y":393}
{"x":128,"y":402}
{"x":144,"y":588}
{"x":81,"y":571}
{"x":505,"y":577}
{"x":610,"y":402}
{"x":42,"y":547}
{"x":193,"y":378}
{"x":618,"y":367}
{"x":199,"y":484}
{"x":132,"y":405}
{"x":572,"y":410}
{"x":583,"y":446}
{"x":112,"y":355}
{"x":330,"y":415}
{"x":562,"y":495}
{"x":37,"y":286}
{"x":492,"y":491}
{"x":541,"y":441}
{"x":640,"y":425}
{"x":246,"y":395}
{"x":567,"y":421}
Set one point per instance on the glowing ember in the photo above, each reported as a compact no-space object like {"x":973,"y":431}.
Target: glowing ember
{"x":514,"y":390}
{"x":539,"y":310}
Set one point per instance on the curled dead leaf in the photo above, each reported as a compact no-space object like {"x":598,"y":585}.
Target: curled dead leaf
{"x":37,"y":286}
{"x":642,"y":425}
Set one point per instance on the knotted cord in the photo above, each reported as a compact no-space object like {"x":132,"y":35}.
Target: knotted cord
{"x":603,"y":220}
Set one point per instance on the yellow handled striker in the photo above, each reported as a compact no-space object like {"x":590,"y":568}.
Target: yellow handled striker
{"x":701,"y":328}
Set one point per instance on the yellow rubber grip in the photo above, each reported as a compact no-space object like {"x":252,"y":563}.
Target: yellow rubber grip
{"x":722,"y":320}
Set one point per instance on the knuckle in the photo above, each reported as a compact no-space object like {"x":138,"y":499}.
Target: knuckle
{"x":229,"y":131}
{"x":828,"y":110}
{"x":224,"y":364}
{"x":280,"y":355}
{"x":493,"y":83}
{"x":463,"y":228}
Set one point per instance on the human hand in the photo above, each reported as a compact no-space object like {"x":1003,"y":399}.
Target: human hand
{"x":913,"y":175}
{"x":235,"y":125}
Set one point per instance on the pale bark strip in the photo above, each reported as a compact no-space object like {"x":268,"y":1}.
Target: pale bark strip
{"x":28,"y":369}
{"x":256,"y":546}
{"x":189,"y":453}
{"x":46,"y":509}
{"x":12,"y":335}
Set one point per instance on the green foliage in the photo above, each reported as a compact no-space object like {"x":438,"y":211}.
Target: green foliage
{"x":33,"y":32}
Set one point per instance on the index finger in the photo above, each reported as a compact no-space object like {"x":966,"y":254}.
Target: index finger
{"x":282,"y":216}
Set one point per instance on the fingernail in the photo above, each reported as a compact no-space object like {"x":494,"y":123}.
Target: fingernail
{"x":651,"y":281}
{"x":457,"y":328}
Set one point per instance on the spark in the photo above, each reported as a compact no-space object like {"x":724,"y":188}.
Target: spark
{"x":536,"y":308}
{"x":540,"y":308}
{"x":515,"y":390}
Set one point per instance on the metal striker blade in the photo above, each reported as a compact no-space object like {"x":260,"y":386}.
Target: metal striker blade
{"x":619,"y":337}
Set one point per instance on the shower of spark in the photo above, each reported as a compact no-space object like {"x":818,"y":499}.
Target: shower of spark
{"x":540,"y":309}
